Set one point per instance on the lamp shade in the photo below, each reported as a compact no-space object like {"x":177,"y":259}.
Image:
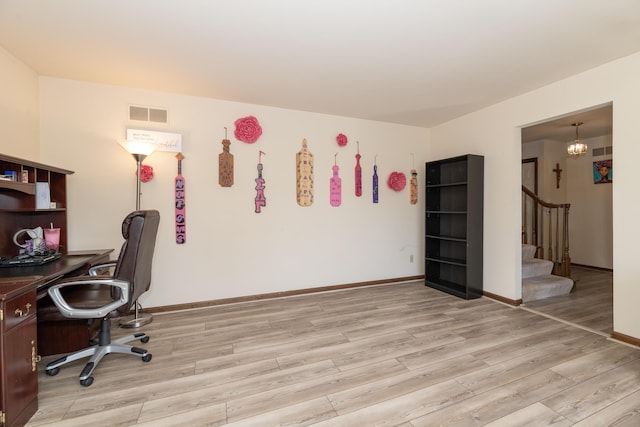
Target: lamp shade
{"x":138,"y":147}
{"x":577,"y":148}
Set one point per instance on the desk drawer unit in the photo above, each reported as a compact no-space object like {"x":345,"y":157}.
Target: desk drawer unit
{"x":18,"y":358}
{"x":19,"y":309}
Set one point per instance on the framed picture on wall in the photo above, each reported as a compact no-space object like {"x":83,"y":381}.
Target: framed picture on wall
{"x":603,"y":171}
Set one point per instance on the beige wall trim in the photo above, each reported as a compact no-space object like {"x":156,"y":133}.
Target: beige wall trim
{"x":508,"y":301}
{"x":625,"y":338}
{"x":592,"y":267}
{"x":272,"y":295}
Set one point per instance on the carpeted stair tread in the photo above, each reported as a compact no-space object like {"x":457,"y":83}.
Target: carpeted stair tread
{"x":545,"y":286}
{"x":536,"y":267}
{"x":528,"y":251}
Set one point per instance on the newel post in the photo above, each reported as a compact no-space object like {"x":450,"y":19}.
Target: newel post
{"x":566,"y":259}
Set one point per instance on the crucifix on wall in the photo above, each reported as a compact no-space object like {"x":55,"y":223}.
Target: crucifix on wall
{"x":558,"y":171}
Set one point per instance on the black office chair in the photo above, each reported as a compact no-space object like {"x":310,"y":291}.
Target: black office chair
{"x":105,"y":296}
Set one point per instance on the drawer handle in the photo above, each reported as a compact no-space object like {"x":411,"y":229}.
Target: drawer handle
{"x":20,"y":313}
{"x":35,"y":358}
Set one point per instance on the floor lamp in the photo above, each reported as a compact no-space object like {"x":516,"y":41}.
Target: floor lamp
{"x":139,"y":150}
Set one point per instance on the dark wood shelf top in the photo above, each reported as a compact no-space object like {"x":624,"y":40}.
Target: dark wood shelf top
{"x":27,"y":188}
{"x":36,"y":165}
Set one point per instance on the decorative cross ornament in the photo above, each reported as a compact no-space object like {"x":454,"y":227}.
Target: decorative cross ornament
{"x":558,"y":171}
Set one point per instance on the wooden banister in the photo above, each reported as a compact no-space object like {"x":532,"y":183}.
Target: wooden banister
{"x":538,"y":217}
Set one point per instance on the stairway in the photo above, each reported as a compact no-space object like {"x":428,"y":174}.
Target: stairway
{"x":537,"y":280}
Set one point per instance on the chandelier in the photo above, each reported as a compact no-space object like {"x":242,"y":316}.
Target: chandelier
{"x":577,"y":148}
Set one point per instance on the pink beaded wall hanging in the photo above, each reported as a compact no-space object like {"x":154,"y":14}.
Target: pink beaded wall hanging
{"x":335,"y":184}
{"x":358,"y":172}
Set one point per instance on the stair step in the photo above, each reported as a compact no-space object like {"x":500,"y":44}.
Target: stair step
{"x":545,"y":286}
{"x":536,"y":267}
{"x":528,"y":251}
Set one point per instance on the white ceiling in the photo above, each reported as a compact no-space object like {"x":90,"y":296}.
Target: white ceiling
{"x":597,"y":121}
{"x":414,"y":62}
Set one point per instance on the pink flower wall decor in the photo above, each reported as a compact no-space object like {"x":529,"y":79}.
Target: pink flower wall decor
{"x":397,"y":181}
{"x":341,"y":139}
{"x":146,"y":173}
{"x":247,"y":129}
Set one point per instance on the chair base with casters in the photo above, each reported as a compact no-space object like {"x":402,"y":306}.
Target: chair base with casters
{"x":98,"y":351}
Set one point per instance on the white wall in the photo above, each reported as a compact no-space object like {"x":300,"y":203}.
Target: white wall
{"x":591,"y":210}
{"x":19,"y":119}
{"x":231,"y":251}
{"x":555,"y":154}
{"x":495,"y":133}
{"x":549,"y":153}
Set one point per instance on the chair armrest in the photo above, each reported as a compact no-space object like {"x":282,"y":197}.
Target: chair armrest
{"x":93,"y":270}
{"x":78,"y":313}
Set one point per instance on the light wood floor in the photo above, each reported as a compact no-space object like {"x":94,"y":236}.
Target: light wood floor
{"x":590,"y":305}
{"x":394,"y":355}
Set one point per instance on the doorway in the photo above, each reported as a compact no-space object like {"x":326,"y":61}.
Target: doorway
{"x":591,"y":216}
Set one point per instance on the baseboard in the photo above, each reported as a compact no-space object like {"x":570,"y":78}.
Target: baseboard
{"x":513,"y":302}
{"x":211,"y":303}
{"x":625,"y":338}
{"x":610,"y":270}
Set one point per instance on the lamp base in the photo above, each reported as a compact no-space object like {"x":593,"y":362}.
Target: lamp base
{"x":136,"y":321}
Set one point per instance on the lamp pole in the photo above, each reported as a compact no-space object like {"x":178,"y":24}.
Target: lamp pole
{"x":138,"y":319}
{"x":139,"y":158}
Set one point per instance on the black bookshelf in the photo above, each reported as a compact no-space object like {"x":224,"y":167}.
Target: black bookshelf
{"x":454,"y":210}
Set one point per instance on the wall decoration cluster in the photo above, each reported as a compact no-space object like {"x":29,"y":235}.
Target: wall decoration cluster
{"x":249,"y":130}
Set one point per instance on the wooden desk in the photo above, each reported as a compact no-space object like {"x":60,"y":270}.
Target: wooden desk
{"x":20,"y":289}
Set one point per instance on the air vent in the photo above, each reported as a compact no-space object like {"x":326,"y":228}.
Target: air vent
{"x":602,"y":151}
{"x":148,"y":114}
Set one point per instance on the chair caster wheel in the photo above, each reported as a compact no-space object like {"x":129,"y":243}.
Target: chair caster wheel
{"x":87,"y":381}
{"x":53,"y":371}
{"x":146,"y":357}
{"x":144,"y":339}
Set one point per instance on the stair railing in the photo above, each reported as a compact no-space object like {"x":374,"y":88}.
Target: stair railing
{"x":540,"y":218}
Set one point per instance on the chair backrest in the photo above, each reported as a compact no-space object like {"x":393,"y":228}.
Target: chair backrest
{"x":139,"y":230}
